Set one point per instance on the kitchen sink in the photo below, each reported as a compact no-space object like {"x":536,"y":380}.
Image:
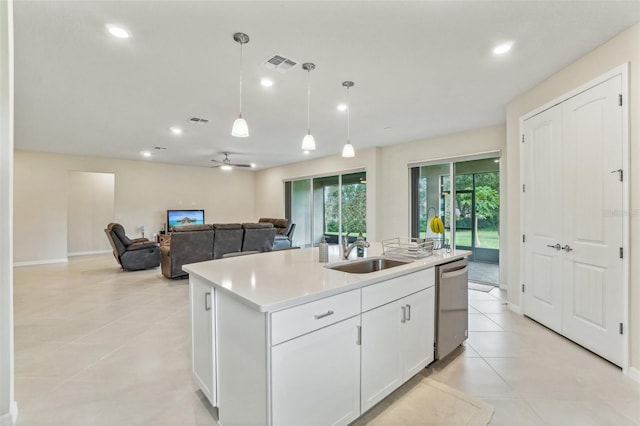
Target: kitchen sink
{"x":368,"y":265}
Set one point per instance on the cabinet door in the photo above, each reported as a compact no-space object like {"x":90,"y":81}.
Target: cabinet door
{"x":203,"y":337}
{"x":418,"y":332}
{"x":316,"y":377}
{"x":381,"y":355}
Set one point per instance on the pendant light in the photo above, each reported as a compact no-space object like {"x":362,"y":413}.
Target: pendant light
{"x":308,"y":142}
{"x":240,"y":128}
{"x":347,"y":150}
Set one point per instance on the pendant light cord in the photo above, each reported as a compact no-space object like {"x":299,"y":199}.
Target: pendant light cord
{"x":309,"y":101}
{"x":348,"y":117}
{"x":241,"y":78}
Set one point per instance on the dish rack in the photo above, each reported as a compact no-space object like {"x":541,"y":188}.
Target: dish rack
{"x":413,"y":248}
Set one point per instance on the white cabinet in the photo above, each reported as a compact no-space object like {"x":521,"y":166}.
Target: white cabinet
{"x":203,"y":362}
{"x":316,"y":377}
{"x":397,"y":341}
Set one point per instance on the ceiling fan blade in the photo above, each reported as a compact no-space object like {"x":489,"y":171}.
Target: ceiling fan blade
{"x":240,"y":165}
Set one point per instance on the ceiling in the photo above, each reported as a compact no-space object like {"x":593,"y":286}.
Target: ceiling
{"x":421,"y":69}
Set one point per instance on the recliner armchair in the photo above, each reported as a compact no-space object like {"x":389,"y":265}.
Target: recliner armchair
{"x":284,"y":231}
{"x":132,"y":255}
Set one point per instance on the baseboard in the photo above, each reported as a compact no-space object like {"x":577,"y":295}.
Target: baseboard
{"x":87,"y":253}
{"x":40,"y":262}
{"x":634,"y":373}
{"x":515,"y":308}
{"x":10,"y":418}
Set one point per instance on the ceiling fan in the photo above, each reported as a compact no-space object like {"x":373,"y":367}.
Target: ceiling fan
{"x":226,"y":164}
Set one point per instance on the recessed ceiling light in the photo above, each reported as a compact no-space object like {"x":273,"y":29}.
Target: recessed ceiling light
{"x":146,"y":154}
{"x":176,"y":130}
{"x":266,"y":82}
{"x":253,"y":165}
{"x":342,"y":107}
{"x":503,"y":48}
{"x":117,"y":31}
{"x":305,"y":152}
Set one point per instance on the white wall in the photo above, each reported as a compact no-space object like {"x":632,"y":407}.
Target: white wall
{"x":8,"y":407}
{"x":143,"y":192}
{"x":623,"y":48}
{"x":90,"y":204}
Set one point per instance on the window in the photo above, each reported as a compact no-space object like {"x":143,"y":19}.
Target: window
{"x":328,"y":206}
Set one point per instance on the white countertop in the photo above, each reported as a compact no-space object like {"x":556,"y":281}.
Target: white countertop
{"x":281,"y":279}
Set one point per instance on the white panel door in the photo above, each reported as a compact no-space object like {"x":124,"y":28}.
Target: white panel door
{"x":418,"y":331}
{"x":592,"y":269}
{"x":381,"y":365}
{"x":316,"y":377}
{"x":542,"y":217}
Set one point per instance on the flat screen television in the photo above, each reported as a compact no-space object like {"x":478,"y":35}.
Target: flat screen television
{"x":184,"y":217}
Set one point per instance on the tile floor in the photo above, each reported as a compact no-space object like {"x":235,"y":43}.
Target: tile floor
{"x":97,"y":346}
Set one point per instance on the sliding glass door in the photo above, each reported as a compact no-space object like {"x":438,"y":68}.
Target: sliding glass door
{"x":329,"y":206}
{"x":470,"y":210}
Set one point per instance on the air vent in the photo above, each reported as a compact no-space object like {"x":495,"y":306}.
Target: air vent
{"x":198,"y":120}
{"x":280,"y":63}
{"x":160,"y":148}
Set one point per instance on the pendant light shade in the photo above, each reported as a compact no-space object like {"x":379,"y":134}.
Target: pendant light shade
{"x":347,"y":150}
{"x":240,"y":128}
{"x":308,"y":142}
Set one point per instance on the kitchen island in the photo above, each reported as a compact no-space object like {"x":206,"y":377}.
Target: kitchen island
{"x":281,"y":339}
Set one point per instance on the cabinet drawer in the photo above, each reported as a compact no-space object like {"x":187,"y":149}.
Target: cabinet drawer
{"x":292,"y":322}
{"x":387,"y":291}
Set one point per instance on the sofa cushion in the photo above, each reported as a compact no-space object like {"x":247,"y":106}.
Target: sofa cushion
{"x":257,"y":225}
{"x":281,"y":225}
{"x":189,"y":228}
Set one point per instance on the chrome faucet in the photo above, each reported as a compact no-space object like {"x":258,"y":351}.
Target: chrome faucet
{"x":347,"y":248}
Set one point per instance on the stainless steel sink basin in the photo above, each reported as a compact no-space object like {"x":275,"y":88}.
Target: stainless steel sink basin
{"x":368,"y":265}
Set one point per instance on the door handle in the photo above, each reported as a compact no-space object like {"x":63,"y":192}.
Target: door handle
{"x":207,"y":301}
{"x":404,"y":314}
{"x":359,"y":335}
{"x":567,"y":248}
{"x":408,"y":312}
{"x":557,"y":246}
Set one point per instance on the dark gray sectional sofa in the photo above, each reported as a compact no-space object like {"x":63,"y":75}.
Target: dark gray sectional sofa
{"x":197,"y":243}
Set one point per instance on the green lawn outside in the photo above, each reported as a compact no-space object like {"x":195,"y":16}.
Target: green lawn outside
{"x":488,"y":238}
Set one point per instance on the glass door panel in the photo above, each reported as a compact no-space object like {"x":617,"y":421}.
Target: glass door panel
{"x":354,"y":204}
{"x":326,"y":209}
{"x":300,"y":206}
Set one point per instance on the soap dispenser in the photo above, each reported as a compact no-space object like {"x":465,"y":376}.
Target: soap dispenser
{"x":324,"y":250}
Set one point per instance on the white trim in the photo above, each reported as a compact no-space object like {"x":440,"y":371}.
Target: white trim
{"x":456,"y":158}
{"x":40,"y":262}
{"x":515,"y":308}
{"x":623,"y":71}
{"x":10,"y":419}
{"x":86,"y":253}
{"x":633,"y":373}
{"x":626,"y":225}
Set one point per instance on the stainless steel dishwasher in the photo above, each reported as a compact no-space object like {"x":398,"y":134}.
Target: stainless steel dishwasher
{"x":452,"y":306}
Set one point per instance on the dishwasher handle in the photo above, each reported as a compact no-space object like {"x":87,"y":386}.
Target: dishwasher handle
{"x":456,"y":273}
